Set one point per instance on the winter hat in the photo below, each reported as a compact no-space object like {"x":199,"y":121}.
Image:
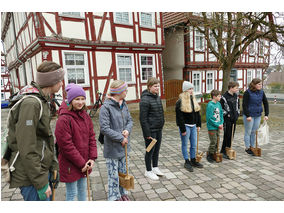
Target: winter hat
{"x":186,"y":85}
{"x":73,"y":91}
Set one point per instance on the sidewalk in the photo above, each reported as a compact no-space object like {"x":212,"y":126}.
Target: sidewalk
{"x":246,"y":178}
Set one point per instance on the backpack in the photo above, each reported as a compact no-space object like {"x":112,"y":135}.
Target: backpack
{"x":16,"y":100}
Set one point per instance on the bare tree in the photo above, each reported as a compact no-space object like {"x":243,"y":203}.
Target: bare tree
{"x":234,"y":32}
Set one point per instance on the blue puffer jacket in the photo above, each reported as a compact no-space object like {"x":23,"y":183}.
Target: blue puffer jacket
{"x":252,"y":103}
{"x":113,"y":120}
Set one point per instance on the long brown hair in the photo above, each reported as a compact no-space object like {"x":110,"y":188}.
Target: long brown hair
{"x":252,"y":84}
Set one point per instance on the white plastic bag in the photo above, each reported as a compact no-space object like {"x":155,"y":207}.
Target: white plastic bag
{"x":263,"y":134}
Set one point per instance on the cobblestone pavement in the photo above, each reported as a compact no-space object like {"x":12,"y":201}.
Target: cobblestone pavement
{"x":247,"y":178}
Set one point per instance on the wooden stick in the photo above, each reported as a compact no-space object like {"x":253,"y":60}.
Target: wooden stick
{"x":232,"y":136}
{"x":150,"y":146}
{"x":88,"y":185}
{"x":53,"y":184}
{"x":197,"y":141}
{"x":126,"y":159}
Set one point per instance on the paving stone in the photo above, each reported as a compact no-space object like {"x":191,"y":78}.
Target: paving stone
{"x":189,"y":193}
{"x":230,"y":196}
{"x":197,"y":189}
{"x":205,"y":196}
{"x":249,"y":186}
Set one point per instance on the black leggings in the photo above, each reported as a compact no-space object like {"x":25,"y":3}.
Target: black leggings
{"x":227,"y":135}
{"x":153,"y":155}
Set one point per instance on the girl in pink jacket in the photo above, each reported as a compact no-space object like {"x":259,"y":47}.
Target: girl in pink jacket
{"x":76,"y":143}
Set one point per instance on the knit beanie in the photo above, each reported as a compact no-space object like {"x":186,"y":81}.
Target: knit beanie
{"x":186,"y":85}
{"x":73,"y":91}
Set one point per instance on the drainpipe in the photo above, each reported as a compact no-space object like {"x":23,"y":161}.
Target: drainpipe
{"x":17,"y":51}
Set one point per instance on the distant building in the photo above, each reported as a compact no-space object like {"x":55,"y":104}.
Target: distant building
{"x":5,"y":79}
{"x":187,"y":56}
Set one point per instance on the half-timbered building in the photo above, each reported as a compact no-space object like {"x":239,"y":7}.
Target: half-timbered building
{"x":93,"y":47}
{"x":187,"y":56}
{"x":5,"y":79}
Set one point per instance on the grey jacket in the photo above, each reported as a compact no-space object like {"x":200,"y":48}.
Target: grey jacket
{"x":113,"y":120}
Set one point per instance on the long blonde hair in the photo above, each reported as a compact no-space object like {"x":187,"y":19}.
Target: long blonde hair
{"x":186,"y":102}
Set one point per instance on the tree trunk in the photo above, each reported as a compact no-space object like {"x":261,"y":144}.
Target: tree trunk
{"x":226,"y":77}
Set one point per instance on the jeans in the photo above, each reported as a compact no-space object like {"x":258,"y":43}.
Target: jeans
{"x":29,"y":193}
{"x":153,"y":155}
{"x":76,"y":189}
{"x":250,"y":129}
{"x":115,"y":191}
{"x":191,"y":135}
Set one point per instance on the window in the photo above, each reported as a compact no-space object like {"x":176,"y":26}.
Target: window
{"x":233,"y":75}
{"x":125,"y":67}
{"x":261,"y":48}
{"x":123,"y":18}
{"x":196,"y":79}
{"x":258,"y":74}
{"x":147,"y":66}
{"x":2,"y":96}
{"x":209,"y":81}
{"x":77,"y":68}
{"x":213,"y":42}
{"x":251,"y":48}
{"x":199,"y":41}
{"x":249,"y":77}
{"x":147,"y":20}
{"x":72,"y":14}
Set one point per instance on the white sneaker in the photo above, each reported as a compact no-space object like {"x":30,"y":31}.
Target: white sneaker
{"x":151,"y":175}
{"x":157,"y":171}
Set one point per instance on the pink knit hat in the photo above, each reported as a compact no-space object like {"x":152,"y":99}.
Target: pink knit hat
{"x":73,"y":91}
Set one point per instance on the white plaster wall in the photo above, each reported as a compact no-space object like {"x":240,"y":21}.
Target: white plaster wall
{"x":131,"y":94}
{"x":98,"y":13}
{"x":124,"y":34}
{"x":199,"y":57}
{"x":159,"y":32}
{"x":50,"y":18}
{"x":29,"y":70}
{"x":104,"y":61}
{"x":101,"y":85}
{"x":148,"y":37}
{"x":34,"y":66}
{"x":72,"y":29}
{"x":212,"y":57}
{"x":97,"y":23}
{"x":106,"y":36}
{"x":240,"y":73}
{"x":55,"y":56}
{"x":88,"y":99}
{"x":173,"y":56}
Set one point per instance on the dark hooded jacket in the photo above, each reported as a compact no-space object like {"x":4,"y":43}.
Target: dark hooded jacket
{"x":151,"y":113}
{"x":76,"y":142}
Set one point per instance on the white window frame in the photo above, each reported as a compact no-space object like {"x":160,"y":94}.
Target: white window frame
{"x":199,"y":91}
{"x":213,"y":42}
{"x":126,"y":66}
{"x":251,"y":77}
{"x":82,"y":15}
{"x":129,"y":16}
{"x":252,"y":48}
{"x":261,"y":44}
{"x":143,"y":66}
{"x":258,"y":76}
{"x":195,"y":41}
{"x":153,"y":20}
{"x":85,"y":66}
{"x":213,"y":80}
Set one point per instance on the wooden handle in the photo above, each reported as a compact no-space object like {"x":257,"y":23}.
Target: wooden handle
{"x":53,"y":189}
{"x":218,"y":139}
{"x":197,"y":141}
{"x":232,"y":137}
{"x":126,"y":159}
{"x":256,"y":139}
{"x":88,"y":185}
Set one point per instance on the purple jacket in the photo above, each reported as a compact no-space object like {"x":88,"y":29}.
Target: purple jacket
{"x":76,"y":142}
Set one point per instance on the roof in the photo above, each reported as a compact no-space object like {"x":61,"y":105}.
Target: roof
{"x":172,"y":18}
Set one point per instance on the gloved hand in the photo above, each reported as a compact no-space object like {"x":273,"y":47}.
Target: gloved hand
{"x":54,"y":178}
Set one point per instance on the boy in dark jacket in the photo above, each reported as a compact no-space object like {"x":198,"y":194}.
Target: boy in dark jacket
{"x":152,"y":122}
{"x":214,"y":119}
{"x":231,"y":109}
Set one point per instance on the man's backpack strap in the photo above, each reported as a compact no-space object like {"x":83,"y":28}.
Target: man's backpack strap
{"x":26,"y":96}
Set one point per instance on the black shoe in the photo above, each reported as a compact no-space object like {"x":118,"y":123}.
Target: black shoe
{"x":226,"y":156}
{"x":188,"y":166}
{"x":249,"y":151}
{"x":210,"y":158}
{"x":194,"y":163}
